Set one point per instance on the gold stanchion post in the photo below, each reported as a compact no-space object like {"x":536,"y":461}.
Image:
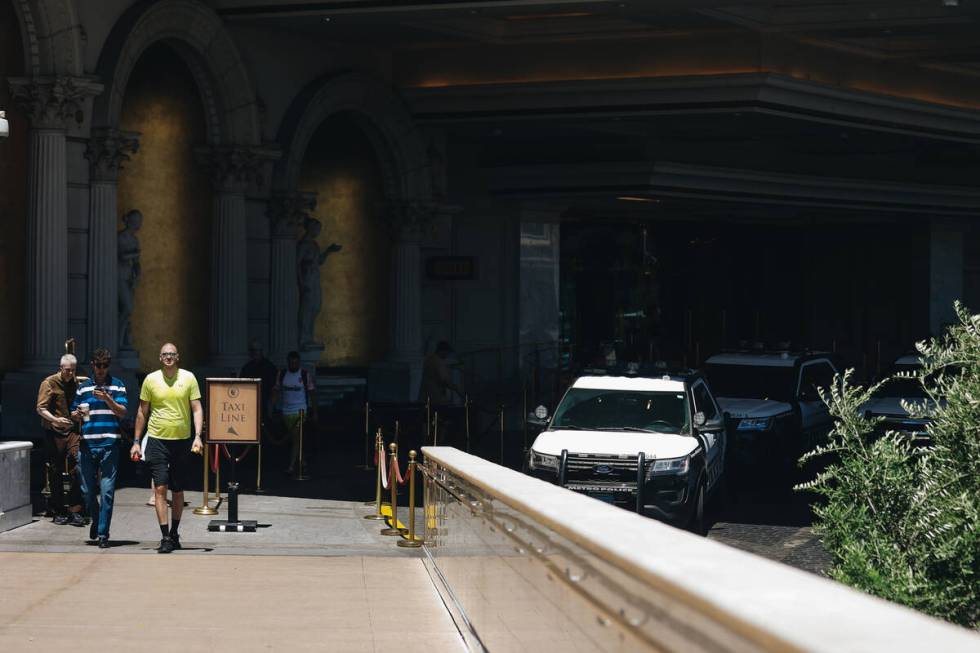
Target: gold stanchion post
{"x":301,"y":474}
{"x":205,"y":508}
{"x":393,"y":486}
{"x":379,"y":448}
{"x":217,"y":477}
{"x":412,"y":540}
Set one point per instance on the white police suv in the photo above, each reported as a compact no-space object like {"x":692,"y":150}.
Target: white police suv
{"x":654,"y":444}
{"x":772,"y":401}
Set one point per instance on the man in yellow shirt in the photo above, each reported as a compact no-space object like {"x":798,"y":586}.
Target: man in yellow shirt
{"x":168,"y":400}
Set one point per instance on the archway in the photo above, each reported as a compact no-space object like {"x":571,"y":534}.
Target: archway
{"x":341,"y":168}
{"x":198,"y":35}
{"x":165,"y":184}
{"x":403,"y":165}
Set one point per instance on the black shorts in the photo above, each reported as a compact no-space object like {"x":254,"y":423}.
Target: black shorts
{"x":170,"y":462}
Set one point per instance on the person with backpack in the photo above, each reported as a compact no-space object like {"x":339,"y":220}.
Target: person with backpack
{"x":295,"y":390}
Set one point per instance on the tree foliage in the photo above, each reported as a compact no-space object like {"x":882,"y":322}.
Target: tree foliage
{"x":903,"y":522}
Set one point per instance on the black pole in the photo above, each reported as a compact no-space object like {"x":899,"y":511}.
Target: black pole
{"x":640,"y":480}
{"x":233,"y":494}
{"x":563,"y":467}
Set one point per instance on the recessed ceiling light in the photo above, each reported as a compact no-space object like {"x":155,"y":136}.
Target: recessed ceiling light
{"x":326,"y":19}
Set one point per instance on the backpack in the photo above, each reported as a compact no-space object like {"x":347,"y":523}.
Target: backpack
{"x":304,"y":378}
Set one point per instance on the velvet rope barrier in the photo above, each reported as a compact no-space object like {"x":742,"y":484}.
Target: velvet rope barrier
{"x":384,"y":472}
{"x":398,"y":473}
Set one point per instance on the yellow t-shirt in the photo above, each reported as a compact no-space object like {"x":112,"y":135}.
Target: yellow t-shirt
{"x":170,"y":404}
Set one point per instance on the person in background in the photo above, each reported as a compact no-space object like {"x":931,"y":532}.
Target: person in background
{"x":54,"y":397}
{"x":100,"y":405}
{"x":437,"y":378}
{"x":260,"y":367}
{"x":296,"y":390}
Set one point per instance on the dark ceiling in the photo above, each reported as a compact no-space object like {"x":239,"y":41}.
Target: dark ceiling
{"x":925,"y":32}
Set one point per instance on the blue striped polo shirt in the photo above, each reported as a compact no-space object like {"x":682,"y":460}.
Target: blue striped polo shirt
{"x":103,"y":426}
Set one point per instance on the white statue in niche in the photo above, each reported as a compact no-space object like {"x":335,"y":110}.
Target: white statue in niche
{"x":128,"y":253}
{"x":309,"y":258}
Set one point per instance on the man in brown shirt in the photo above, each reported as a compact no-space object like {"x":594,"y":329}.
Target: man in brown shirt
{"x":61,"y":439}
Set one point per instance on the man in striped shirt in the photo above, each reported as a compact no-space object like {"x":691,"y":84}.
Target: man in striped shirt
{"x":100,"y":405}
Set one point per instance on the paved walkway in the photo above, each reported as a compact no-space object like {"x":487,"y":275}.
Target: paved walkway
{"x":316,"y":576}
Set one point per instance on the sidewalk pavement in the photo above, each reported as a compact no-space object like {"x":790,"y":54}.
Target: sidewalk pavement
{"x":315,"y":576}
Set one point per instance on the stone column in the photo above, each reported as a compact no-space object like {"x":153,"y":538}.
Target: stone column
{"x":407,"y":221}
{"x":946,"y":272}
{"x":106,"y":152}
{"x":286,"y":213}
{"x":51,"y":103}
{"x":233,"y":169}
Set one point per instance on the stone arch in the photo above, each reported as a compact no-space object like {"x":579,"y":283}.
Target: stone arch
{"x":52,"y":37}
{"x":198,"y":36}
{"x":28,"y":38}
{"x":399,"y":145}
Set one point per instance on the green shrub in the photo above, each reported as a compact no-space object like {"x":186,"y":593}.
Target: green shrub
{"x":900,"y":522}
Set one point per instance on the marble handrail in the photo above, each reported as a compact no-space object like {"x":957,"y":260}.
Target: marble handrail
{"x":725,"y":597}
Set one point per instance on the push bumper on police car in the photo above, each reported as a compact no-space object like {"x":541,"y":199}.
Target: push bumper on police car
{"x":665,"y":490}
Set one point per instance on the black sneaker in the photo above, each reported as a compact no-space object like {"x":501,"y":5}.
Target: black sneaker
{"x":166,"y":546}
{"x":104,"y":542}
{"x":76,"y":519}
{"x":93,"y":531}
{"x":60,"y":520}
{"x":175,"y":540}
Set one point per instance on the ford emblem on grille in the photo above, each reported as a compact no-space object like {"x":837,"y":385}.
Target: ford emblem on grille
{"x":602,"y":469}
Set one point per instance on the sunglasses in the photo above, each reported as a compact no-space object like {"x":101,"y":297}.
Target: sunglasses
{"x":100,"y":366}
{"x":169,"y":354}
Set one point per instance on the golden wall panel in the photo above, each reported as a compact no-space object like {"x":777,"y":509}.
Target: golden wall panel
{"x":163,"y":181}
{"x":13,"y":198}
{"x":339,"y":165}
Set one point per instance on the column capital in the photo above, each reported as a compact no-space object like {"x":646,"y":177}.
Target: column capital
{"x":108,"y":149}
{"x":237,"y":168}
{"x":53,"y":102}
{"x":288,"y":210}
{"x":409,"y":219}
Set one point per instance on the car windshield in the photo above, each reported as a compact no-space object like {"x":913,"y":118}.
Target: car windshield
{"x":909,"y":388}
{"x":906,"y":388}
{"x":597,"y":409}
{"x":752,"y":381}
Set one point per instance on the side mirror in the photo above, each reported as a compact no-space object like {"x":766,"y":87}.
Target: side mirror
{"x":716,"y":424}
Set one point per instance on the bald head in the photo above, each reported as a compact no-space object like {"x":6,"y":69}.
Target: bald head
{"x":169,"y":358}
